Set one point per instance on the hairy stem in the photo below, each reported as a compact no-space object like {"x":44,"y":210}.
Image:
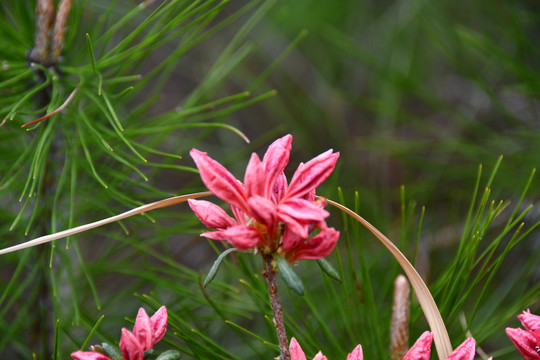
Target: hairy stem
{"x":399,"y":327}
{"x":270,"y":275}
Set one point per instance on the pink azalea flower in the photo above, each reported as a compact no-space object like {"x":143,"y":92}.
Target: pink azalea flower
{"x":527,"y":341}
{"x":421,"y":350}
{"x":269,"y":214}
{"x":297,"y":353}
{"x":147,"y":331}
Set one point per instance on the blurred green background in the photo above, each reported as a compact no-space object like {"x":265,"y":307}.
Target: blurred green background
{"x":415,"y":95}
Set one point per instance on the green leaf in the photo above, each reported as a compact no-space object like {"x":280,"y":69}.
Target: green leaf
{"x":213,"y":270}
{"x":169,"y":355}
{"x":55,"y":351}
{"x":329,"y":270}
{"x":147,"y":353}
{"x":112,"y":352}
{"x":289,"y":276}
{"x":94,"y":328}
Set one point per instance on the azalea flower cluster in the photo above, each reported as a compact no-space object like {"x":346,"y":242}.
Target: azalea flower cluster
{"x":421,"y":350}
{"x":527,"y":341}
{"x":147,"y":332}
{"x":270,"y":215}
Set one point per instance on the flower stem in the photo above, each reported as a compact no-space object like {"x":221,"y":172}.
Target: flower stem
{"x":271,"y":280}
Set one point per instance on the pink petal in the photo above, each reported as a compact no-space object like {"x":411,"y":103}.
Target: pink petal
{"x":143,"y":330}
{"x":356,"y":354}
{"x":310,"y":196}
{"x":255,"y":177}
{"x":240,"y":236}
{"x":465,"y":351}
{"x":299,"y":227}
{"x":210,"y":214}
{"x":302,"y":210}
{"x":421,"y":350}
{"x":219,"y":180}
{"x":130,"y":346}
{"x":280,"y":188}
{"x":320,"y":356}
{"x":311,"y":174}
{"x":318,"y":247}
{"x":529,"y":321}
{"x":296,"y":350}
{"x":536,"y":334}
{"x":275,"y":160}
{"x":88,"y":355}
{"x":264,"y":212}
{"x":300,"y":216}
{"x":291,"y":240}
{"x":239,"y":215}
{"x":159,"y":324}
{"x":525,"y":342}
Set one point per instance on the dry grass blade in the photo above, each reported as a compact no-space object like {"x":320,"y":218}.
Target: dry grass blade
{"x":141,"y":209}
{"x":431,"y":312}
{"x":60,"y":108}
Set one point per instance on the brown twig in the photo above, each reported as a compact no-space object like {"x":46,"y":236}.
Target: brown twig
{"x":270,"y":275}
{"x":44,"y":18}
{"x":57,"y":42}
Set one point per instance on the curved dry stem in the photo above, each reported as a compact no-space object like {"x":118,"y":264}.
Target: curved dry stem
{"x":141,"y":209}
{"x":431,"y":311}
{"x":60,"y":108}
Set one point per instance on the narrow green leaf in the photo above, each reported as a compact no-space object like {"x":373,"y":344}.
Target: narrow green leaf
{"x":278,"y":60}
{"x":289,"y":276}
{"x":117,"y":130}
{"x":55,"y":350}
{"x":113,"y":112}
{"x":94,"y":329}
{"x":54,"y":286}
{"x":89,"y":159}
{"x":253,"y":335}
{"x":172,"y":166}
{"x":169,"y":355}
{"x":92,"y":58}
{"x":19,"y":215}
{"x":94,"y":131}
{"x":16,"y":79}
{"x":154,"y":151}
{"x":329,"y":270}
{"x":418,"y":236}
{"x":91,"y":49}
{"x":123,"y":92}
{"x":72,"y":187}
{"x":15,"y":277}
{"x":403,"y":232}
{"x":523,"y":193}
{"x":122,"y":79}
{"x":29,"y":94}
{"x":87,"y":274}
{"x":213,"y":270}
